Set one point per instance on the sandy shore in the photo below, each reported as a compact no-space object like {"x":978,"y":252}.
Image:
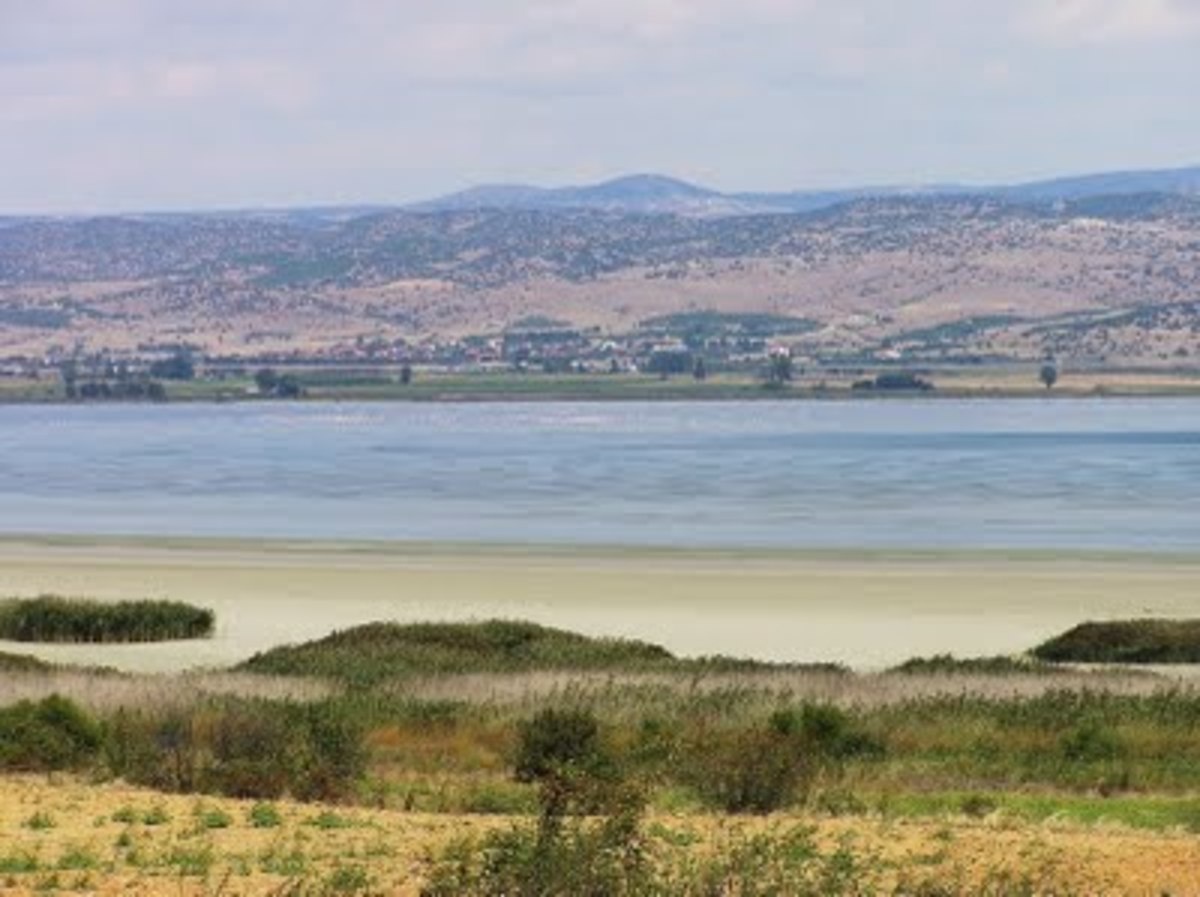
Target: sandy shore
{"x":865,"y":608}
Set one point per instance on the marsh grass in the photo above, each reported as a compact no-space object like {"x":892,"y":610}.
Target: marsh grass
{"x":104,"y":692}
{"x":22,"y":663}
{"x":378,"y":652}
{"x":52,"y":618}
{"x":1126,"y":641}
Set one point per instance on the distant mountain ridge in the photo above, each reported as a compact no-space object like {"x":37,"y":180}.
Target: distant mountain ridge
{"x":660,"y":194}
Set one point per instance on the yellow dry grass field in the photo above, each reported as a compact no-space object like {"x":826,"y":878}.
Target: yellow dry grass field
{"x":72,"y":836}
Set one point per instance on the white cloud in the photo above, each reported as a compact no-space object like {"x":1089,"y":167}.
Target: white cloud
{"x":393,"y":99}
{"x":1115,"y":21}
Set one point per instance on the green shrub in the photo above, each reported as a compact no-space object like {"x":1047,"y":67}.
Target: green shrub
{"x":18,"y":863}
{"x":1090,"y":742}
{"x":258,"y":749}
{"x":156,"y":815}
{"x":555,"y":739}
{"x":347,"y":880}
{"x":50,"y":618}
{"x":588,"y":859}
{"x":327,"y":820}
{"x":50,"y":734}
{"x":263,"y":815}
{"x":746,"y":770}
{"x":212,"y":817}
{"x":40,"y":822}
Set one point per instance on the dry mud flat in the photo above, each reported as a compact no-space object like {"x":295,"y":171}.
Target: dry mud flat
{"x":868,"y":609}
{"x":195,"y":846}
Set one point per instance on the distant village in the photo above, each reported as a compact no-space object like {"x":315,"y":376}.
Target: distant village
{"x":665,"y":347}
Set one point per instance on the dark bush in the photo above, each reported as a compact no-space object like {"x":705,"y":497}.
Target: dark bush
{"x":51,"y":734}
{"x":242,"y":749}
{"x":1090,"y":742}
{"x":554,"y":740}
{"x":827,"y":733}
{"x":753,"y":770}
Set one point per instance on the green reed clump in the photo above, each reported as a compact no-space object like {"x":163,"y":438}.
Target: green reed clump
{"x":50,"y":618}
{"x":1125,"y":641}
{"x":46,"y":735}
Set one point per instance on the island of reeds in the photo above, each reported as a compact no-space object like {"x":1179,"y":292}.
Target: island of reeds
{"x":52,"y":618}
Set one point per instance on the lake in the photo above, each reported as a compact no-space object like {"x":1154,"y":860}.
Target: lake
{"x":1105,"y":473}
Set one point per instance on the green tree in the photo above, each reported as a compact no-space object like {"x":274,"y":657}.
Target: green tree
{"x":1048,"y":374}
{"x":266,"y":380}
{"x":699,"y":371}
{"x":780,"y":369}
{"x":178,"y":367}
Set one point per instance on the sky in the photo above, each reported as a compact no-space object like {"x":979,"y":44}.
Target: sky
{"x":119,"y":105}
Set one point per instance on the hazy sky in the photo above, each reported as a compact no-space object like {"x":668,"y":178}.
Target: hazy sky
{"x":137,"y":104}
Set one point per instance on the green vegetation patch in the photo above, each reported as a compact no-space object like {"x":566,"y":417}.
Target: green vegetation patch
{"x":22,"y":663}
{"x":47,"y":735}
{"x":50,"y":618}
{"x":378,"y":651}
{"x":1129,"y":641}
{"x":716,"y":323}
{"x":948,"y":664}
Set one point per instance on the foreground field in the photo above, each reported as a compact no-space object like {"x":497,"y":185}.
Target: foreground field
{"x":72,"y":836}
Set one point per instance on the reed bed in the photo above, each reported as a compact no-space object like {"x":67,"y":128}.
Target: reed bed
{"x":52,"y":618}
{"x":863,"y":692}
{"x":105,"y":693}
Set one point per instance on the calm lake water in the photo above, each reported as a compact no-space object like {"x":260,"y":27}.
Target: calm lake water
{"x":1071,"y":474}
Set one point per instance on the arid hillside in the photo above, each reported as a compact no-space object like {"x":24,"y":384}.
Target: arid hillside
{"x":1113,"y":278}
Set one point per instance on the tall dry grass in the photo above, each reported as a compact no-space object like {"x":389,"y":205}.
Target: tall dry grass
{"x":103,"y":693}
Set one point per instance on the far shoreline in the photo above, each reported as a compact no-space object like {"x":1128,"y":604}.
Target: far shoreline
{"x":319,"y":384}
